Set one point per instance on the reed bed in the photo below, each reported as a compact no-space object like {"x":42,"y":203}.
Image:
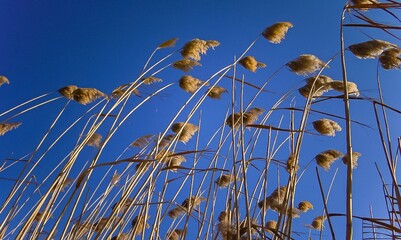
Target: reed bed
{"x":230,"y":161}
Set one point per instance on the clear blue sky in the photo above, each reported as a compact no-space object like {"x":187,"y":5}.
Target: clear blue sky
{"x":46,"y":45}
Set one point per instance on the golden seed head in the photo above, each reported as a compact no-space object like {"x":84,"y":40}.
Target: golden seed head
{"x":305,"y":64}
{"x":176,"y":234}
{"x":305,"y":91}
{"x":67,"y":91}
{"x":4,"y":80}
{"x":143,"y":141}
{"x":223,"y":216}
{"x":225,"y":180}
{"x":185,"y":130}
{"x":370,"y":49}
{"x":216,"y":92}
{"x":194,"y":48}
{"x":355,"y":157}
{"x":124,"y":207}
{"x":250,"y":63}
{"x":339,"y":86}
{"x":326,"y":158}
{"x":363,"y":4}
{"x":86,"y":95}
{"x":192,"y":202}
{"x":175,"y":212}
{"x":275,"y":200}
{"x":119,"y":92}
{"x":186,"y":64}
{"x":291,"y":163}
{"x":165,"y":140}
{"x":150,"y":80}
{"x":234,"y":120}
{"x":190,"y":84}
{"x":95,"y":140}
{"x":5,"y":127}
{"x":271,"y":226}
{"x":227,"y":230}
{"x":390,"y":58}
{"x":317,"y":223}
{"x":276,"y":32}
{"x":326,"y":127}
{"x":304,"y":206}
{"x":320,"y":82}
{"x":168,"y":43}
{"x":170,"y":159}
{"x":139,"y":223}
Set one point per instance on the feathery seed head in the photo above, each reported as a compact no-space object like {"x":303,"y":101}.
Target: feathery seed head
{"x":190,"y":84}
{"x":390,"y":58}
{"x":175,"y":212}
{"x":305,"y":91}
{"x":166,"y":140}
{"x":86,"y":95}
{"x":186,"y":64}
{"x":291,"y":163}
{"x":320,"y":82}
{"x":225,"y":180}
{"x":142,"y":142}
{"x":326,"y":158}
{"x":216,"y":92}
{"x":250,"y":63}
{"x":194,"y":48}
{"x":119,"y":92}
{"x":326,"y":127}
{"x":355,"y":157}
{"x":317,"y":223}
{"x":271,"y":226}
{"x":176,"y":234}
{"x":168,"y":43}
{"x":4,"y":80}
{"x":304,"y":206}
{"x":223,"y":216}
{"x":185,"y":131}
{"x":275,"y":200}
{"x":305,"y":64}
{"x":139,"y":223}
{"x":5,"y":127}
{"x":67,"y":91}
{"x":234,"y":120}
{"x":252,"y":115}
{"x":150,"y":80}
{"x":370,"y":49}
{"x":276,"y":32}
{"x":124,"y":207}
{"x":95,"y":140}
{"x":192,"y":202}
{"x":339,"y":86}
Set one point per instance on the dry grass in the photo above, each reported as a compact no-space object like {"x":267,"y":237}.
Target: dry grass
{"x":195,"y":179}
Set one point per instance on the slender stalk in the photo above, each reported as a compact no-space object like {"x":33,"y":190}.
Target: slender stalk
{"x":348,"y":198}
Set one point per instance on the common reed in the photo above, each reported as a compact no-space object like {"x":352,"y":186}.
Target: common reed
{"x":165,"y":164}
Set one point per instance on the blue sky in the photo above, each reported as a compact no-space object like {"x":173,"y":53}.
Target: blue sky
{"x":46,"y":45}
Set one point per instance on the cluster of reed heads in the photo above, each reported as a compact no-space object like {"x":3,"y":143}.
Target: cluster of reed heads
{"x":235,"y":181}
